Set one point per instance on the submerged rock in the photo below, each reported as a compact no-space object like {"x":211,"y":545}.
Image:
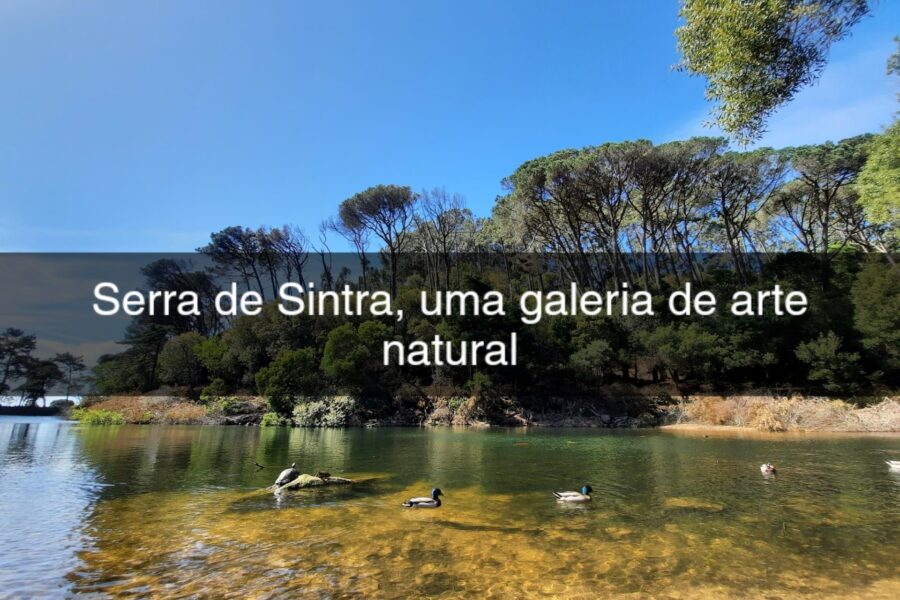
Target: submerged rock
{"x":693,"y":504}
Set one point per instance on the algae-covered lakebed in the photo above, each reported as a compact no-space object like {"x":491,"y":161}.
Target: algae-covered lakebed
{"x":178,"y":511}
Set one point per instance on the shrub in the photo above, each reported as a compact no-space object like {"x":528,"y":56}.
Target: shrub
{"x":480,"y":385}
{"x":408,"y":392}
{"x":271,"y":419}
{"x":838,"y":371}
{"x":134,"y":409}
{"x":138,"y":418}
{"x":215,"y":389}
{"x":178,"y":362}
{"x":97,"y":417}
{"x":293,"y":373}
{"x":352,"y":357}
{"x":212,"y":354}
{"x":592,"y":359}
{"x":660,"y":396}
{"x":280,"y":404}
{"x":228,"y":405}
{"x":455,"y":410}
{"x":147,"y":409}
{"x":876,"y":299}
{"x":335,"y":411}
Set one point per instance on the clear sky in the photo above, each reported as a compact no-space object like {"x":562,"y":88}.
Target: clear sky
{"x":143,"y":126}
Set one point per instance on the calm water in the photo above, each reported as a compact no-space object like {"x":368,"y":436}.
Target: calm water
{"x":179,"y":512}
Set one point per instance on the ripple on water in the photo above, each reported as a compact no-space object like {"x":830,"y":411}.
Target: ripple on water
{"x":45,"y":496}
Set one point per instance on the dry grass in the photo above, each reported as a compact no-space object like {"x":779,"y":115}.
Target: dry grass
{"x":151,"y":409}
{"x":793,"y":413}
{"x":183,"y":413}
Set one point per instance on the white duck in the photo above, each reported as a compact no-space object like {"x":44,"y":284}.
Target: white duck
{"x":893,"y":465}
{"x":583,"y":496}
{"x":768,"y":469}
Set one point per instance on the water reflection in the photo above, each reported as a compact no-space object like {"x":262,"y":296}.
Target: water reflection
{"x":186,"y":513}
{"x":46,"y":491}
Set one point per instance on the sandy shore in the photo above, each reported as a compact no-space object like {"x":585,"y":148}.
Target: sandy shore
{"x":749,"y":432}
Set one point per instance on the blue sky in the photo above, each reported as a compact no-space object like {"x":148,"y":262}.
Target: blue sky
{"x":143,"y":126}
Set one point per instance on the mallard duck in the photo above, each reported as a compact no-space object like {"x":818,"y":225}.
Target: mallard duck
{"x":767,"y":469}
{"x":583,"y":496}
{"x":288,"y":475}
{"x":893,"y":465}
{"x":423,"y":502}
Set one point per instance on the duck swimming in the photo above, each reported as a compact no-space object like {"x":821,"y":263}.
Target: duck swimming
{"x":423,"y":502}
{"x":583,"y":496}
{"x":893,"y":465}
{"x":288,"y":475}
{"x":768,"y":469}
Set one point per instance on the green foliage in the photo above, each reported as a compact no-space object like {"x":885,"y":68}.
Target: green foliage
{"x":879,"y":183}
{"x":686,"y":350}
{"x":117,"y":373}
{"x":593,"y":359}
{"x":87,"y":416}
{"x":876,"y":299}
{"x":215,"y":389}
{"x":179,"y":363}
{"x":271,"y":419}
{"x":757,"y":55}
{"x":893,"y":64}
{"x":226,"y":406}
{"x":480,"y":385}
{"x":145,"y":337}
{"x":838,"y":371}
{"x":40,"y":376}
{"x":386,"y":211}
{"x":212,"y":355}
{"x":15,"y":350}
{"x":71,"y":366}
{"x":293,"y":373}
{"x":353,"y":355}
{"x":821,"y":204}
{"x":332,"y":411}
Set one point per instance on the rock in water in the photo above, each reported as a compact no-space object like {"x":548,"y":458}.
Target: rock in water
{"x":307,"y":481}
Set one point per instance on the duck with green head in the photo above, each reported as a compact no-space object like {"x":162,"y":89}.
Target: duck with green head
{"x":583,"y":496}
{"x":424,"y":502}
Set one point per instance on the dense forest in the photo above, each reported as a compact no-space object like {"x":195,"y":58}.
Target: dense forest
{"x":649,"y":216}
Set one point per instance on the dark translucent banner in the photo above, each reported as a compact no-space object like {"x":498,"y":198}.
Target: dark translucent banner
{"x":573,"y":318}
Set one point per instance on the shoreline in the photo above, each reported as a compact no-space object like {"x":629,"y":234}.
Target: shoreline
{"x":686,"y":429}
{"x":698,"y":414}
{"x":696,"y":429}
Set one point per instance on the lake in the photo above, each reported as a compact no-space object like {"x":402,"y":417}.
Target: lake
{"x":182,"y":511}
